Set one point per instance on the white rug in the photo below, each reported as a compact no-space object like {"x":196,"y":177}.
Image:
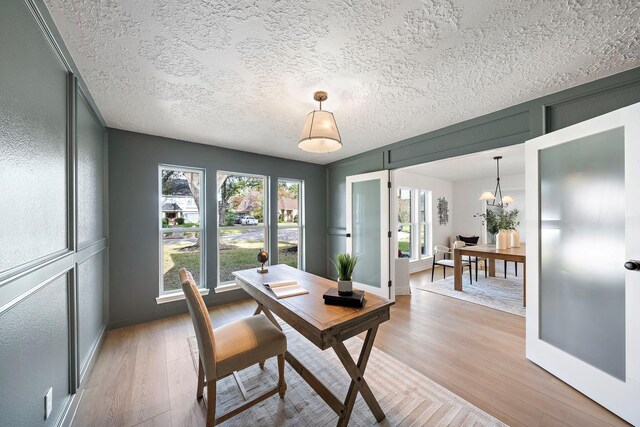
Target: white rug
{"x":407,"y":397}
{"x":495,"y":292}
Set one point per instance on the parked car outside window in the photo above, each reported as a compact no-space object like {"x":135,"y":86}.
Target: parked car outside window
{"x":248,"y":220}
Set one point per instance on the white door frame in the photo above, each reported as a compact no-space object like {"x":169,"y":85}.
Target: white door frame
{"x":386,"y":267}
{"x":621,"y":397}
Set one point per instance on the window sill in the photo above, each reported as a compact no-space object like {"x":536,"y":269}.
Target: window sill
{"x":226,"y":288}
{"x":177,"y":296}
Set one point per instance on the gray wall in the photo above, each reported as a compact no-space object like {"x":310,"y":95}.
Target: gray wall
{"x":53,"y":243}
{"x":510,"y":126}
{"x":133,"y":204}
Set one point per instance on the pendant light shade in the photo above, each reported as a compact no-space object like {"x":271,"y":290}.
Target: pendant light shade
{"x":507,"y":200}
{"x":487,"y":195}
{"x":320,"y":132}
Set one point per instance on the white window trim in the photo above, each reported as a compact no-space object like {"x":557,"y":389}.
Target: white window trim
{"x":266,"y":207}
{"x":301,"y":221}
{"x":176,"y":295}
{"x":411,"y":223}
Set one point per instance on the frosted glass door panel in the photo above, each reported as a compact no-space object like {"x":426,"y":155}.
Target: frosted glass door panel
{"x":582,"y":249}
{"x":366,"y":231}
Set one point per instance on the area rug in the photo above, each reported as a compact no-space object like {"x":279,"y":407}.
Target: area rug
{"x":495,"y":292}
{"x":407,"y":397}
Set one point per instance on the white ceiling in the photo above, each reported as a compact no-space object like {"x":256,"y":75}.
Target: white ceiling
{"x":474,"y":166}
{"x":241,"y":73}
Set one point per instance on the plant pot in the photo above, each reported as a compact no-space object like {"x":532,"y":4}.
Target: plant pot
{"x":345,"y":287}
{"x":503,"y":240}
{"x":515,"y":239}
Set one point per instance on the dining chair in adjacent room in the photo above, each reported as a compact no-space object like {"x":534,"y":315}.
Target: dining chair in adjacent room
{"x":446,"y":262}
{"x":473,"y":241}
{"x":232,"y":347}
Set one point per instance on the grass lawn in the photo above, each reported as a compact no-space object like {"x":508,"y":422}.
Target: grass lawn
{"x":237,"y":255}
{"x":243,"y":256}
{"x":176,"y":256}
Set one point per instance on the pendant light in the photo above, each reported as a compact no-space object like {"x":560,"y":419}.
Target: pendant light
{"x":490,"y":197}
{"x":320,"y":132}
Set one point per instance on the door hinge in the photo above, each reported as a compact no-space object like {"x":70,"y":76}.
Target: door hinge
{"x":388,"y":184}
{"x":389,"y":283}
{"x":389,"y":234}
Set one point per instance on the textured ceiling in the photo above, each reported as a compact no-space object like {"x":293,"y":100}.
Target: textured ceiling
{"x":474,"y":166}
{"x":241,"y":73}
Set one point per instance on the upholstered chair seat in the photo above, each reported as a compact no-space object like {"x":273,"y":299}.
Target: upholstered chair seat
{"x":246,"y":342}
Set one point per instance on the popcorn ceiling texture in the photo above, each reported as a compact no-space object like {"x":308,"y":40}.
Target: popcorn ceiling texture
{"x":241,"y":73}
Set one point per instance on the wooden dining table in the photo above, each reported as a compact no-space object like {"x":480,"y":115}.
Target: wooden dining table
{"x":326,"y":326}
{"x":491,"y":253}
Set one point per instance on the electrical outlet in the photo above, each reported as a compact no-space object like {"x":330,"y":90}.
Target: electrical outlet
{"x":48,"y":403}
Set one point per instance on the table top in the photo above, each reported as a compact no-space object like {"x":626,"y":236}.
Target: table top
{"x":307,"y":313}
{"x":491,"y":249}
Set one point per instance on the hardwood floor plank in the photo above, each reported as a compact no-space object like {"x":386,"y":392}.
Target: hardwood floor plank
{"x":186,"y":410}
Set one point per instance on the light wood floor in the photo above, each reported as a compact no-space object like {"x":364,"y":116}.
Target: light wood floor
{"x":144,"y":373}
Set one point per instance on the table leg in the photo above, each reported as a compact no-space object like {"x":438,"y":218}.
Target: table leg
{"x":358,"y":383}
{"x":524,"y":283}
{"x":457,"y":270}
{"x":492,"y":267}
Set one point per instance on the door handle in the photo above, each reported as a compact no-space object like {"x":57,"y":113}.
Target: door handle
{"x":347,"y":235}
{"x":632,"y":264}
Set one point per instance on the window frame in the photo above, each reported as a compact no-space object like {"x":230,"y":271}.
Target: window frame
{"x":427,"y":223}
{"x":301,"y":222}
{"x":266,"y":217}
{"x":411,"y":222}
{"x":175,"y":294}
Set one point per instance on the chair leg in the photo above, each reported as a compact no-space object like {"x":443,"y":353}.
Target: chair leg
{"x":476,"y":269}
{"x":282,"y":384}
{"x":470,"y":275}
{"x":444,"y":272}
{"x":200,"y":379}
{"x":211,"y":403}
{"x":505,"y":269}
{"x":486,"y":267}
{"x":433,"y":270}
{"x":516,"y":269}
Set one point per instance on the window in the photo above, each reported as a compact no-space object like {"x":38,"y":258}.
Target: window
{"x":424,"y":220}
{"x":243,"y":222}
{"x":290,"y":223}
{"x":404,"y":223}
{"x":414,"y":223}
{"x":181,"y":225}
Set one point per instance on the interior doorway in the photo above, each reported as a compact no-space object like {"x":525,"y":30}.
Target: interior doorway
{"x":436,"y":206}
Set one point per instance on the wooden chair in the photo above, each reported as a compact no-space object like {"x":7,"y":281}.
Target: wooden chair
{"x":444,"y":262}
{"x":231,"y":347}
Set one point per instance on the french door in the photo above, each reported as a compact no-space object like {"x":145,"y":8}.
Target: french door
{"x":368,"y":231}
{"x":583,"y":223}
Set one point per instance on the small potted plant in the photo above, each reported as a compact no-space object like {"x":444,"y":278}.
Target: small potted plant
{"x":345,"y":266}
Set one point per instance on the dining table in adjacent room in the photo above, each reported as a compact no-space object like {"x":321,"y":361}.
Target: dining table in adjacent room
{"x":326,"y":326}
{"x":491,"y":253}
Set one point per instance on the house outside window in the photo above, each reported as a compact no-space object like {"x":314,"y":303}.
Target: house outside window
{"x":243,"y":222}
{"x":290,"y":223}
{"x":182,"y":228}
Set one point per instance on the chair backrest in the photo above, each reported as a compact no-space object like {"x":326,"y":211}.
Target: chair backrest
{"x":459,"y":244}
{"x":201,"y":323}
{"x":439,"y":249}
{"x":470,"y":240}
